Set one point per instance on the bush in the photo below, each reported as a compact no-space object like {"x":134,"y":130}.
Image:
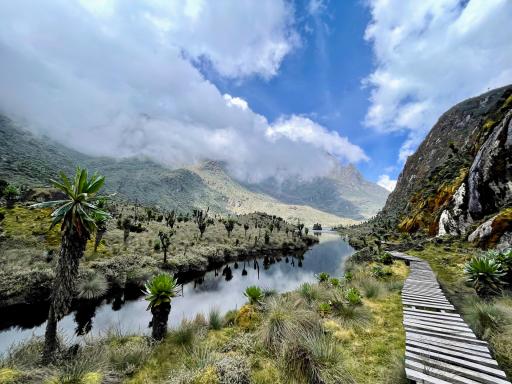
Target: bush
{"x":386,"y":258}
{"x":335,"y":282}
{"x":353,"y":296}
{"x":380,"y":273}
{"x":485,"y":274}
{"x":254,"y":294}
{"x":233,"y":369}
{"x":322,"y":277}
{"x":308,"y":292}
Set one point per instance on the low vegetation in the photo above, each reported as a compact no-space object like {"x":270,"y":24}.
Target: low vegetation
{"x":131,"y":247}
{"x":316,"y":334}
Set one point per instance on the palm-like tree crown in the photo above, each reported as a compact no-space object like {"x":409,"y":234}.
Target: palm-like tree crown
{"x":80,"y":211}
{"x":161,"y":289}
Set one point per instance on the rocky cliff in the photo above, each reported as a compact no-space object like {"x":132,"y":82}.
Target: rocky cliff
{"x":459,"y":181}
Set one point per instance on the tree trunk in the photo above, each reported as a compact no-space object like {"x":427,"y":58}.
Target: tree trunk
{"x":160,"y":318}
{"x":99,"y":235}
{"x":165,"y":255}
{"x":50,"y":337}
{"x":71,"y":250}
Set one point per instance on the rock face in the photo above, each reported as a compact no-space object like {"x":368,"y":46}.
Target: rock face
{"x":459,"y":181}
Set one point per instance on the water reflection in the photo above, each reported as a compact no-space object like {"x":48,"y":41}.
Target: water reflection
{"x":221,"y":288}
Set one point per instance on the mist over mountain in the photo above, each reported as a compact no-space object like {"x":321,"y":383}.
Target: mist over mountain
{"x":341,"y":197}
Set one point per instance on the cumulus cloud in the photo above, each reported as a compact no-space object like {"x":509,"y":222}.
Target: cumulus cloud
{"x":432,"y":54}
{"x":386,"y":182}
{"x":302,"y":129}
{"x":121,"y":79}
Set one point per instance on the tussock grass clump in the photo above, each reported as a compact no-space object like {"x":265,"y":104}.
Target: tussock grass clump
{"x":313,"y":358}
{"x":372,"y":288}
{"x":129,"y":353}
{"x":486,"y":317}
{"x":215,"y":320}
{"x":185,"y":334}
{"x":92,"y":285}
{"x":282,"y":321}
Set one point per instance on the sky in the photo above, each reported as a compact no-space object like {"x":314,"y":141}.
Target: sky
{"x":276,"y":88}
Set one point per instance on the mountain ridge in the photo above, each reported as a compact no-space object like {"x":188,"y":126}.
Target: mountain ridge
{"x":28,"y":159}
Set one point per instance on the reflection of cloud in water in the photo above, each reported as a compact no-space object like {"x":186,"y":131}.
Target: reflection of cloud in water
{"x":214,"y":291}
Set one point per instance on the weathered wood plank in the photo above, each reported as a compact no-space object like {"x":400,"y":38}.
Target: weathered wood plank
{"x":484,"y":360}
{"x":478,"y":376}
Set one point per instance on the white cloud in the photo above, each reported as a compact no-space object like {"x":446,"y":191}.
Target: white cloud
{"x":386,"y":182}
{"x":432,"y":54}
{"x":119,"y":79}
{"x":236,"y":102}
{"x":302,"y":129}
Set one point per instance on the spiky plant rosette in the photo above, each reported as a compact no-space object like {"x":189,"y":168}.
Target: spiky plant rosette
{"x":160,"y":289}
{"x":485,"y":274}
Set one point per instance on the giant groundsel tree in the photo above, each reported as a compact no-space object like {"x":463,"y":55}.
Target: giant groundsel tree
{"x":77,"y":216}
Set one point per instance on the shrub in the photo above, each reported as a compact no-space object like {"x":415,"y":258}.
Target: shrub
{"x":505,"y":259}
{"x":322,"y":277}
{"x":353,"y":296}
{"x":379,"y":272}
{"x":324,"y":308}
{"x":348,"y":276}
{"x":229,"y":317}
{"x":254,"y":294}
{"x":233,"y":369}
{"x":335,"y":282}
{"x":386,"y":258}
{"x":214,"y":319}
{"x":308,"y":292}
{"x":485,"y":274}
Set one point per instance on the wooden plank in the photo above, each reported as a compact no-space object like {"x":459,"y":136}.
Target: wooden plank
{"x":456,"y":315}
{"x":484,"y":360}
{"x":479,"y":376}
{"x":434,"y":320}
{"x":422,"y":378}
{"x":447,"y":336}
{"x":459,"y":362}
{"x":422,"y":304}
{"x":436,"y":340}
{"x":440,"y":330}
{"x":416,"y":367}
{"x":444,"y":328}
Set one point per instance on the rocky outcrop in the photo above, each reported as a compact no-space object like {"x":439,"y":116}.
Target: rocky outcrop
{"x":487,"y":189}
{"x":495,"y":232}
{"x":461,"y":174}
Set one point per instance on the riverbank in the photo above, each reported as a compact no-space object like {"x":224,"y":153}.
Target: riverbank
{"x":347,"y":329}
{"x":29,"y":250}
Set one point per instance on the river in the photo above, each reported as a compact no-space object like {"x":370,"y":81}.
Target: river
{"x":222,"y":289}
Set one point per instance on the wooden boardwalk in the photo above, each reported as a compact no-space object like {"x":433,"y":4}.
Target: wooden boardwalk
{"x":440,"y":347}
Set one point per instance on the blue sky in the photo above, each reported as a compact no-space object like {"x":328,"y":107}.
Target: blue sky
{"x":272,"y":88}
{"x":322,"y":79}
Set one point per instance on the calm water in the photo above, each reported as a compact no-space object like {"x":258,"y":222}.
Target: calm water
{"x":213,"y":290}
